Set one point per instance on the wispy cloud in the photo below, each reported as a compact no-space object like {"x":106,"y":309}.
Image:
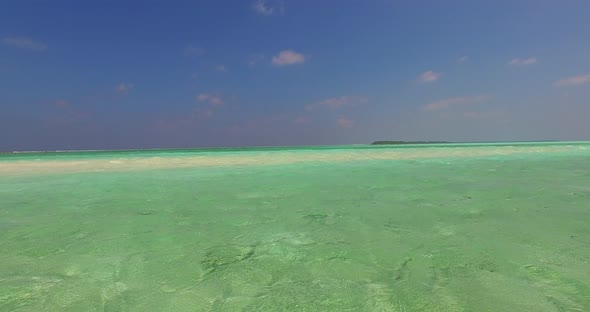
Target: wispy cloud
{"x":573,"y":81}
{"x":267,"y":8}
{"x":68,"y":117}
{"x":288,"y":57}
{"x":255,"y":59}
{"x":189,"y":119}
{"x":429,"y":76}
{"x":61,"y":103}
{"x":302,"y":120}
{"x":262,"y":123}
{"x":498,"y":115}
{"x":221,"y":68}
{"x":338,"y":102}
{"x":66,"y":114}
{"x":205,"y":109}
{"x":211,"y":99}
{"x":124,"y":88}
{"x":345,"y":122}
{"x":446,"y":103}
{"x":523,"y":62}
{"x":462,"y":59}
{"x":192,"y":50}
{"x":202,"y":112}
{"x":24,"y":43}
{"x":173,"y":123}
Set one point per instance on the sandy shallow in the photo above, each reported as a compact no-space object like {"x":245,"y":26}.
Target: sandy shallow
{"x":44,"y":166}
{"x":488,"y":228}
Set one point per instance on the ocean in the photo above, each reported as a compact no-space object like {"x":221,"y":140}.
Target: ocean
{"x":433,"y":227}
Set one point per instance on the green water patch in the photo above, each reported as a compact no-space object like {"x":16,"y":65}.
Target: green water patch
{"x":218,"y":257}
{"x":505,"y":233}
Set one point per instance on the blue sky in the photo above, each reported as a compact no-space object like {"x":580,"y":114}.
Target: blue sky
{"x":148,"y":74}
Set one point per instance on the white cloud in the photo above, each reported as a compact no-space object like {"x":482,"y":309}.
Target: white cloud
{"x":573,"y":81}
{"x":462,"y":59}
{"x":446,"y":103}
{"x":523,"y":62}
{"x":267,"y":8}
{"x":345,"y":122}
{"x":288,"y":57}
{"x":211,"y":99}
{"x":338,"y":102}
{"x":24,"y":43}
{"x":429,"y":76}
{"x":124,"y":88}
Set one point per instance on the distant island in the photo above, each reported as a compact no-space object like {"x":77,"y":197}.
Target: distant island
{"x":406,"y":142}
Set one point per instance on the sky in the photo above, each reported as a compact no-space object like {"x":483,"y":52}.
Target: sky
{"x":199,"y":73}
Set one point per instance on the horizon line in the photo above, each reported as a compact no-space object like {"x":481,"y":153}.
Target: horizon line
{"x":285,"y":146}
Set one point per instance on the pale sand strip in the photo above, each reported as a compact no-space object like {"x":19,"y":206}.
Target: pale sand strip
{"x":270,"y":158}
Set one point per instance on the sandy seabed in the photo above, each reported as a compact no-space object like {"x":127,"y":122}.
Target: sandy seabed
{"x":40,"y":165}
{"x":463,"y":228}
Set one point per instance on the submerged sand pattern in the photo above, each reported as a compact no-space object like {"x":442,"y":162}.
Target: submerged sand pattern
{"x":412,"y":229}
{"x":41,"y":165}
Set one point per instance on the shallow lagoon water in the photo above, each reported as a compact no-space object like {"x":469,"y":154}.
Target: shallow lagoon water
{"x":398,"y":228}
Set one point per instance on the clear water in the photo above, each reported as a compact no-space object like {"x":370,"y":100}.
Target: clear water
{"x":481,"y":227}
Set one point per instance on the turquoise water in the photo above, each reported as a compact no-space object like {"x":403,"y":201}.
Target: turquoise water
{"x":474,"y":227}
